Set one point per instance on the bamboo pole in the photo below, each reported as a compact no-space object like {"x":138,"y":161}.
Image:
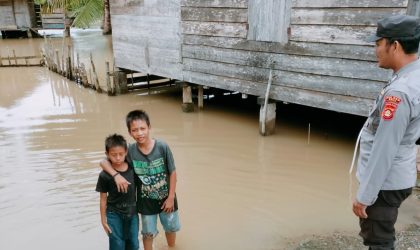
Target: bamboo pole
{"x":200,"y":97}
{"x":69,"y":68}
{"x":8,"y":56}
{"x":309,"y":133}
{"x":108,"y":80}
{"x":83,"y":75}
{"x":63,"y":68}
{"x":90,"y":76}
{"x":14,"y":57}
{"x":73,"y":70}
{"x":94,"y":73}
{"x":57,"y":57}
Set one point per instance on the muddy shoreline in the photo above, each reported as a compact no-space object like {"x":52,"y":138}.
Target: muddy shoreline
{"x":408,"y":238}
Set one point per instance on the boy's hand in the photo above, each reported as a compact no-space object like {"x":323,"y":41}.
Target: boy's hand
{"x":122,"y":183}
{"x":107,"y":228}
{"x":168,"y":205}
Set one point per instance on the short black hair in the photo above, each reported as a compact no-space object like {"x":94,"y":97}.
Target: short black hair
{"x":409,"y":45}
{"x":115,"y":140}
{"x":137,"y":115}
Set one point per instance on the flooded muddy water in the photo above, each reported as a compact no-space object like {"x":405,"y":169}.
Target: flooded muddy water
{"x":236,"y":189}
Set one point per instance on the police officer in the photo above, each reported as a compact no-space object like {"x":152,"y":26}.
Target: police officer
{"x":387,"y":160}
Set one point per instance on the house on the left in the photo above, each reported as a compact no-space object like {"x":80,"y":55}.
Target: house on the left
{"x":24,"y":18}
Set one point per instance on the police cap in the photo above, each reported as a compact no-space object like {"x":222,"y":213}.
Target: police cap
{"x":397,"y":26}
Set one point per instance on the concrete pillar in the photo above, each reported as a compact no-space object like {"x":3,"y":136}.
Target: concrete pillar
{"x":267,"y":125}
{"x":200,"y":97}
{"x":187,"y":103}
{"x":120,"y":80}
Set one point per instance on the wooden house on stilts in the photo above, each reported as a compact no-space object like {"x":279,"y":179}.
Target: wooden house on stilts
{"x":17,"y":15}
{"x":315,"y":49}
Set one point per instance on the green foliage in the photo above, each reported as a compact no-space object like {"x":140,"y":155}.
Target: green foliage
{"x":84,"y":12}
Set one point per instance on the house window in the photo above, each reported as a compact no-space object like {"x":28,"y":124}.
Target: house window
{"x":414,"y":8}
{"x":269,"y":20}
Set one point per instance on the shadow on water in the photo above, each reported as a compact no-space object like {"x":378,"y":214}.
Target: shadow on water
{"x":328,"y":123}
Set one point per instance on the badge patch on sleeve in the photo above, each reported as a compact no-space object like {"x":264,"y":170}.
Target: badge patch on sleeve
{"x":391,"y":105}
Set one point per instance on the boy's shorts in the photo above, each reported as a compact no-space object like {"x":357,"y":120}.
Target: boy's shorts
{"x":169,"y":221}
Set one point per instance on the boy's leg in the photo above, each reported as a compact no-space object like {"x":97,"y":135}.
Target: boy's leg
{"x":171,"y":225}
{"x":149,"y":230}
{"x":170,"y":238}
{"x":116,"y":238}
{"x":132,"y":242}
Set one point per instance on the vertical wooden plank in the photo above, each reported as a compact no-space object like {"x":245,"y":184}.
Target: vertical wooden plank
{"x":200,"y":97}
{"x":413,"y":8}
{"x":268,"y":20}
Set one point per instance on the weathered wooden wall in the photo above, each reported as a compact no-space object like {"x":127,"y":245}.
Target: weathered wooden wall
{"x":16,"y":14}
{"x":325,"y":64}
{"x":7,"y":17}
{"x":146,"y":36}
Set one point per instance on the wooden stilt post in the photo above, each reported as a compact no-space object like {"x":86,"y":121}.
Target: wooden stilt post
{"x":268,"y":109}
{"x":120,"y":81}
{"x":187,"y":102}
{"x":110,"y":90}
{"x":200,"y":97}
{"x":267,"y":121}
{"x":14,"y":57}
{"x":29,"y":33}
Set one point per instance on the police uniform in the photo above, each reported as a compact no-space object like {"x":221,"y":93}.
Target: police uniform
{"x":387,"y":160}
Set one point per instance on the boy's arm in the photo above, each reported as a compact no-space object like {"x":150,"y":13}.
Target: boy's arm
{"x":102,"y":208}
{"x":168,"y":205}
{"x":121,"y":182}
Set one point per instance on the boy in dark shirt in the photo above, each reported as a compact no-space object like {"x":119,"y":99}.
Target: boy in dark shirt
{"x":118,"y":210}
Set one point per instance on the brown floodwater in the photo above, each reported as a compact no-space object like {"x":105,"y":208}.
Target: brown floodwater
{"x":236,"y":189}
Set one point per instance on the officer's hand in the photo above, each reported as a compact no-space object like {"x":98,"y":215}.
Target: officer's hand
{"x":122,"y":183}
{"x":359,"y":209}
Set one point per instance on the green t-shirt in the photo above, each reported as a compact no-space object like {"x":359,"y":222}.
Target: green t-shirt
{"x":153,"y":170}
